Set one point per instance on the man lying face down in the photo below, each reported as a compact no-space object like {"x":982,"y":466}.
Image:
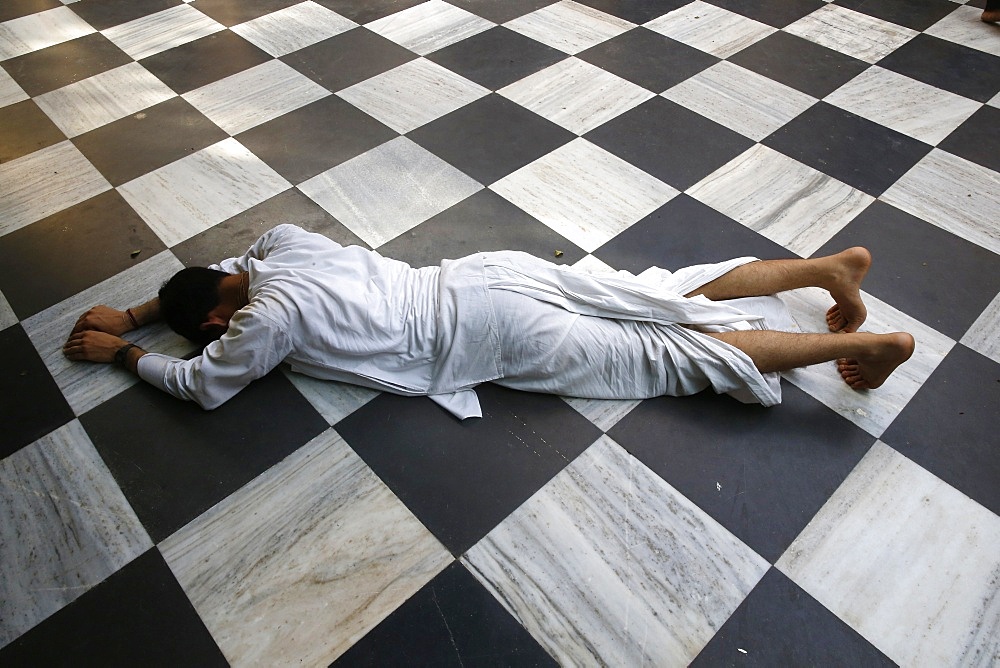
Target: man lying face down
{"x":349,"y":314}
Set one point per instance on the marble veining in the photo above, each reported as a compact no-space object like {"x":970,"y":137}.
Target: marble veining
{"x":584,"y":193}
{"x":164,"y":30}
{"x":103,"y":98}
{"x":429,"y":26}
{"x":908,"y":561}
{"x":86,"y":385}
{"x":603,"y":413}
{"x":45,"y":182}
{"x":39,"y":31}
{"x":333,"y":400}
{"x":964,"y":27}
{"x":984,"y":334}
{"x":7,"y":315}
{"x":712,"y":29}
{"x":953,"y":193}
{"x":569,"y":26}
{"x":904,"y":104}
{"x":873,"y":410}
{"x":198,"y":191}
{"x":609,"y":565}
{"x":66,"y":527}
{"x":413,"y":94}
{"x":10,"y":92}
{"x":864,"y":37}
{"x":254,"y":96}
{"x":576,"y":95}
{"x":786,"y":201}
{"x":388,"y":190}
{"x":293,"y":28}
{"x":740,"y":99}
{"x":300,"y":563}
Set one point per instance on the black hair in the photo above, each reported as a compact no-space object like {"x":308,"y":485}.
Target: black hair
{"x":186,"y":300}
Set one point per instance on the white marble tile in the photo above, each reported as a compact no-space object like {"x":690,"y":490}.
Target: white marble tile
{"x":593,"y":265}
{"x":38,"y":31}
{"x":66,"y":527}
{"x":569,"y":26}
{"x":333,"y":400}
{"x":254,"y":96}
{"x":303,"y":561}
{"x":864,"y":37}
{"x":84,"y":384}
{"x":912,"y":107}
{"x":711,"y":29}
{"x":953,"y":193}
{"x":604,"y":413}
{"x":415,"y":93}
{"x":908,"y":561}
{"x":872,"y":410}
{"x":7,"y":315}
{"x":736,"y":98}
{"x":609,"y":565}
{"x":293,"y":28}
{"x":388,"y":190}
{"x":10,"y":92}
{"x":786,"y":201}
{"x":203,"y":189}
{"x":103,"y":98}
{"x":429,"y":26}
{"x":984,"y":334}
{"x":964,"y":27}
{"x":576,"y":95}
{"x":995,"y":102}
{"x":164,"y":30}
{"x":44,"y":182}
{"x":584,"y":193}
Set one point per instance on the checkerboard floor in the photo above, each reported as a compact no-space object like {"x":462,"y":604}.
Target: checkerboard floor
{"x":311,"y":523}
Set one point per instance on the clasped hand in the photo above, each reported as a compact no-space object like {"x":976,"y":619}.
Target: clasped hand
{"x":95,"y":337}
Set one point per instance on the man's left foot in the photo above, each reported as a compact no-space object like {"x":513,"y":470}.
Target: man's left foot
{"x":990,"y":16}
{"x":849,"y":313}
{"x":872,"y":369}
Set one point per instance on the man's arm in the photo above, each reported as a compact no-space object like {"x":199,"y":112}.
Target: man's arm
{"x":115,"y":322}
{"x":94,"y":346}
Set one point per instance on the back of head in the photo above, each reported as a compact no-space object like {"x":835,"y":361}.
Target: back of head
{"x":186,"y":300}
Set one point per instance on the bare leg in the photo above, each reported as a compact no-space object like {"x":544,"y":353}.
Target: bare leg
{"x":864,"y":360}
{"x":841,"y":274}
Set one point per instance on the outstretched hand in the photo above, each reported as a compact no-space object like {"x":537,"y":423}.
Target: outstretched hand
{"x":93,"y":346}
{"x":103,"y":319}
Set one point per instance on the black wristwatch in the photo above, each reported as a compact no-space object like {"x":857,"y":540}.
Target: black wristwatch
{"x":121,"y":355}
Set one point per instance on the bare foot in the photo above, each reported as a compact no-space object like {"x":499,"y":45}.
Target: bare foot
{"x":872,"y":369}
{"x":990,"y":16}
{"x":849,"y":313}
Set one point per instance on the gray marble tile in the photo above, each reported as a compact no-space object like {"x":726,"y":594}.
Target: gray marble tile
{"x":38,"y":31}
{"x":334,"y":401}
{"x":609,"y":565}
{"x":864,"y":37}
{"x":86,"y":385}
{"x":984,"y":335}
{"x":388,"y":190}
{"x":45,"y":182}
{"x":736,"y":98}
{"x":293,"y":28}
{"x":576,"y":95}
{"x":569,"y":26}
{"x":66,"y":527}
{"x":711,"y":29}
{"x":914,"y":108}
{"x":964,"y":27}
{"x":584,"y":193}
{"x":429,"y":26}
{"x":908,"y":561}
{"x":7,"y":315}
{"x":872,"y":410}
{"x":191,"y":195}
{"x":161,"y":31}
{"x":412,"y":94}
{"x":101,"y":99}
{"x":954,"y":194}
{"x":300,"y":563}
{"x":786,"y":201}
{"x":254,"y":96}
{"x":10,"y":92}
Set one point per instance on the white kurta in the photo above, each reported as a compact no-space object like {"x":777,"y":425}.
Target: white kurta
{"x":349,"y":314}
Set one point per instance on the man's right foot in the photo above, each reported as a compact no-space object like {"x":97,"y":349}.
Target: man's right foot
{"x":991,"y":16}
{"x":872,"y":369}
{"x":849,"y":312}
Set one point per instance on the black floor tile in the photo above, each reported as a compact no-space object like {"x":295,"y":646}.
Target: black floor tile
{"x":776,"y":13}
{"x":779,"y":624}
{"x":32,"y":404}
{"x":913,"y":14}
{"x":938,"y":278}
{"x":369,"y":10}
{"x":24,"y":128}
{"x":762,"y":473}
{"x":174,"y":461}
{"x":674,"y":144}
{"x":491,"y":137}
{"x":103,"y":14}
{"x":501,"y":12}
{"x":138,"y":144}
{"x":15,"y":9}
{"x":45,"y":70}
{"x":139,"y":616}
{"x":648,"y":59}
{"x":451,"y":621}
{"x":976,"y":139}
{"x":462,"y":478}
{"x":230,"y":13}
{"x":948,"y":66}
{"x":204,"y":61}
{"x":636,"y":11}
{"x":483,"y":222}
{"x":348,"y":58}
{"x":839,"y":143}
{"x":950,"y":426}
